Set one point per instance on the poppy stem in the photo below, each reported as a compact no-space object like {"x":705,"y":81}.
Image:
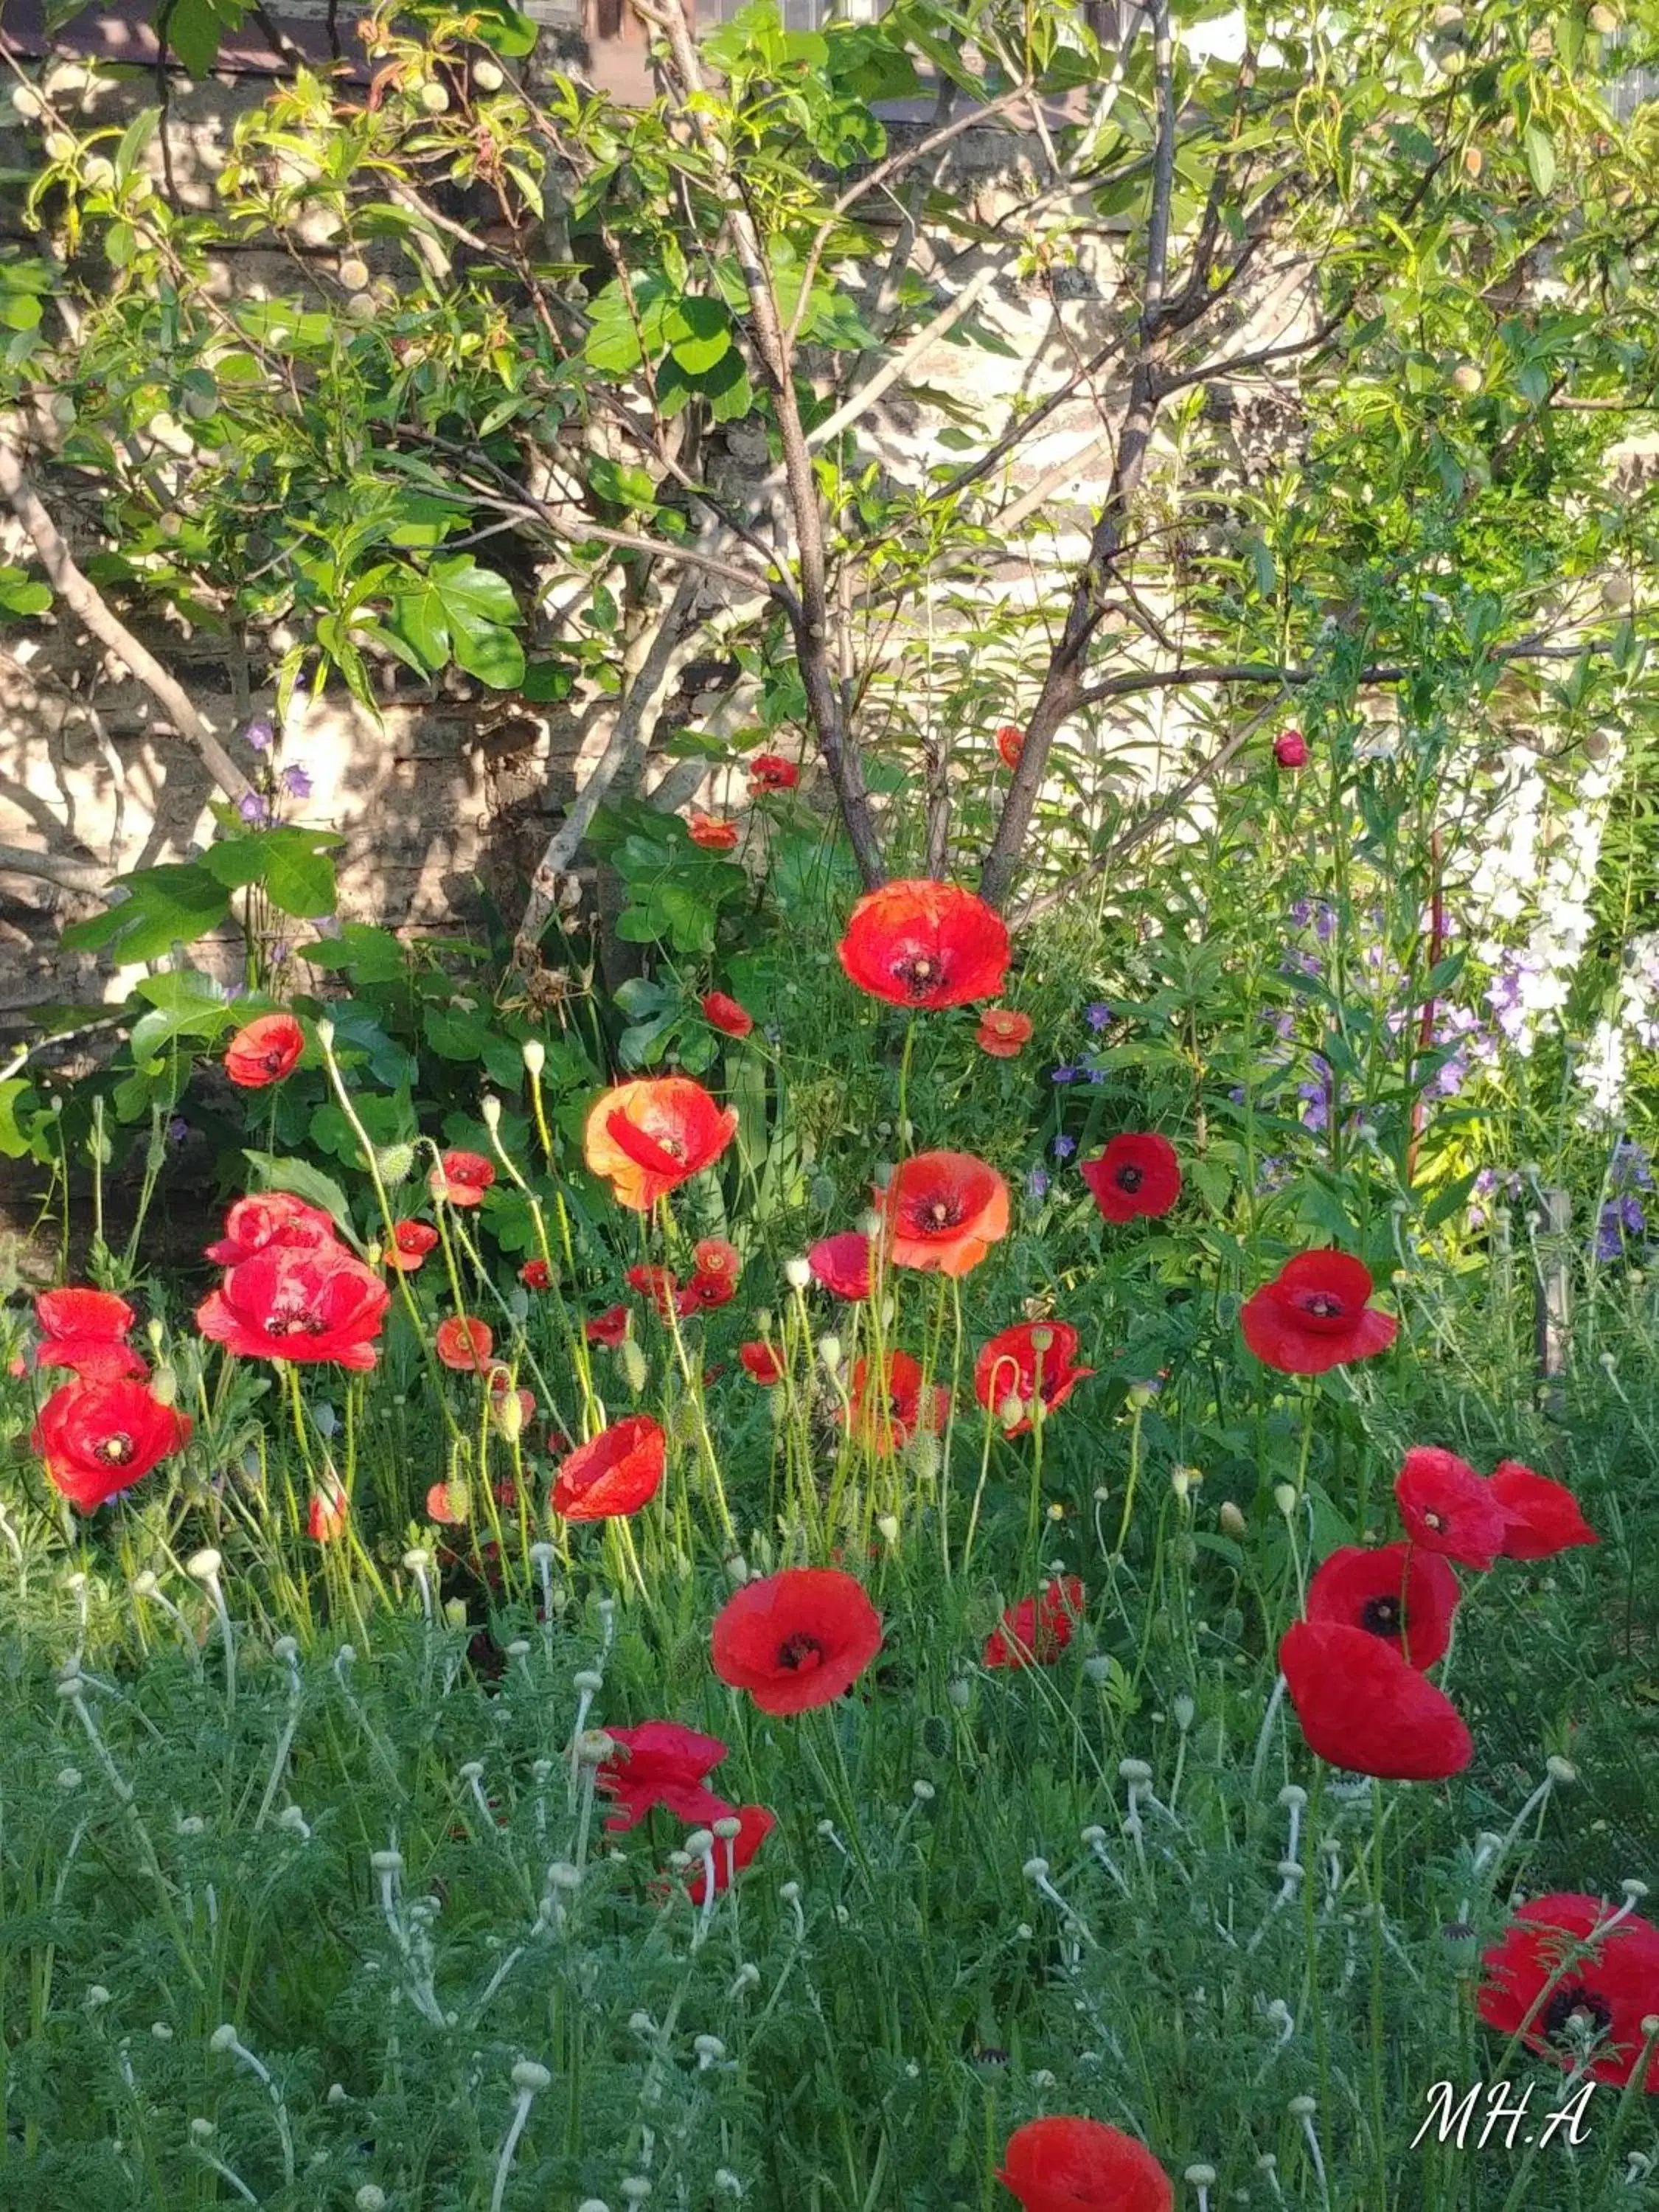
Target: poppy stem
{"x":903,"y":1130}
{"x":1136,"y":1412}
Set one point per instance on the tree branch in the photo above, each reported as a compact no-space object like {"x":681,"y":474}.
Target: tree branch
{"x":83,"y":600}
{"x":68,"y":875}
{"x":774,"y":351}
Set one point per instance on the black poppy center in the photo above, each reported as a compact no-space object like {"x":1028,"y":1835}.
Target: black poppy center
{"x":118,"y":1448}
{"x":273,"y":1063}
{"x":918,"y":974}
{"x":1323,"y":1305}
{"x":1434,"y":1520}
{"x":1130,"y":1179}
{"x":1381,"y":1615}
{"x":296,"y":1324}
{"x":1575,"y":2010}
{"x":798,"y":1651}
{"x":940,"y":1212}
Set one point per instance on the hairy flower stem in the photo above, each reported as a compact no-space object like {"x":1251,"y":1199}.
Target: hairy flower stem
{"x":1135,"y":1413}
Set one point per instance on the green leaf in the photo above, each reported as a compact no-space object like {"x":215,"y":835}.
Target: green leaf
{"x":1539,"y":150}
{"x":134,"y":139}
{"x":163,"y":908}
{"x":367,"y":954}
{"x":305,"y":1182}
{"x":13,"y":1143}
{"x":194,"y":29}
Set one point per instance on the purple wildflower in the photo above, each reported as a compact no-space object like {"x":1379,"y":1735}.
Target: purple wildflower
{"x":1062,"y":1148}
{"x":1098,"y":1016}
{"x":1037,"y":1184}
{"x":1630,"y":1168}
{"x":178,"y":1129}
{"x":296,"y":782}
{"x":1064,"y":1074}
{"x":261,"y":733}
{"x":254,"y":810}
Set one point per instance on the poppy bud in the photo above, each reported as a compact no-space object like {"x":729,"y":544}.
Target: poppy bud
{"x":455,"y":1611}
{"x":1285,"y":1498}
{"x":869,"y":1225}
{"x":489,"y":1111}
{"x":1141,"y":1395}
{"x":737,"y":1570}
{"x":632,"y":1362}
{"x":527,"y":2076}
{"x":823,"y":1193}
{"x":326,"y":1034}
{"x":1011,"y":1411}
{"x":1097,"y":1669}
{"x":959,"y":1690}
{"x":371,"y":2199}
{"x":203,"y":1565}
{"x":887,"y":1524}
{"x":829,"y":1353}
{"x":797,"y":1275}
{"x":164,"y":1387}
{"x":922,"y":1453}
{"x":1231,"y":1521}
{"x":395,"y":1163}
{"x":534,"y":1054}
{"x":699,"y":1841}
{"x":1560,"y":1769}
{"x":1042,"y":1339}
{"x":728,"y":1827}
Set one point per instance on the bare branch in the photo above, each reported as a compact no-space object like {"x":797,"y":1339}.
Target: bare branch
{"x":69,"y":874}
{"x":83,"y":600}
{"x":860,"y":401}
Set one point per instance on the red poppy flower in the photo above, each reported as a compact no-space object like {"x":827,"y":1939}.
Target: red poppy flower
{"x":461,"y":1177}
{"x":615,"y":1474}
{"x":712,"y":834}
{"x":714,"y":1256}
{"x":265,"y":1051}
{"x":276,"y":1217}
{"x":1011,"y":744}
{"x":325,"y":1517}
{"x":1291,"y":749}
{"x":763,"y":1361}
{"x":887,"y":1419}
{"x":446,"y":1503}
{"x":1067,"y":2165}
{"x":841,"y":1264}
{"x":299,"y":1303}
{"x":648,"y":1136}
{"x":659,"y":1286}
{"x":1009,"y":1365}
{"x":795,"y":1639}
{"x":944,"y":1211}
{"x":1606,"y":1993}
{"x":1362,"y":1707}
{"x":1447,"y":1508}
{"x":1137,"y":1174}
{"x":1038,"y":1629}
{"x":1397,"y":1591}
{"x":85,"y":1331}
{"x":755,"y":1825}
{"x":1313,"y":1316}
{"x":75,"y":1311}
{"x":724,"y":1014}
{"x":462,"y":1343}
{"x":660,"y":1763}
{"x":921,"y":944}
{"x":98,"y":1437}
{"x":772,"y":772}
{"x":609,"y":1327}
{"x":1544,"y":1516}
{"x":1002,"y":1032}
{"x":706,"y":1290}
{"x":411,"y":1242}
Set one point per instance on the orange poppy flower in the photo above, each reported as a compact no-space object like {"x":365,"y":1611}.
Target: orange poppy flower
{"x":263,"y":1051}
{"x":712,"y":834}
{"x":714,"y":1256}
{"x":944,"y":1211}
{"x":1011,"y":744}
{"x":647,"y":1138}
{"x":921,"y":944}
{"x":462,"y":1343}
{"x":462,"y":1178}
{"x":1002,"y":1032}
